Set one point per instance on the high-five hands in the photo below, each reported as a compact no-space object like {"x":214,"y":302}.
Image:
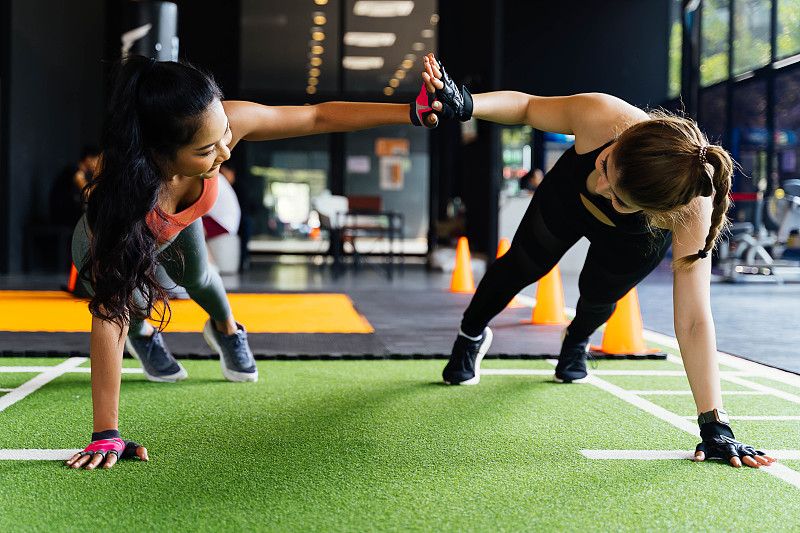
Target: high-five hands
{"x":450,"y":101}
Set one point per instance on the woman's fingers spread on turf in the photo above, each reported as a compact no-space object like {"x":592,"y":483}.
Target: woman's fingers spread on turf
{"x":765,"y":459}
{"x":750,"y":461}
{"x":96,"y":460}
{"x":699,"y":456}
{"x":736,"y":461}
{"x":73,"y":459}
{"x":82,"y":460}
{"x":111,"y":460}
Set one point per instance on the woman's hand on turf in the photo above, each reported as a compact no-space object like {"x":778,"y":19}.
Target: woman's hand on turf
{"x":735,"y":452}
{"x":109,"y":459}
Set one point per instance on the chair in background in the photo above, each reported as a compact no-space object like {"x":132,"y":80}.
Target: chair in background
{"x":331,"y":209}
{"x":366,"y":219}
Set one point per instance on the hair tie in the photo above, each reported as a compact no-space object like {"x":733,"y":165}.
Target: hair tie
{"x":149,"y":68}
{"x":702,"y":253}
{"x":703,"y":150}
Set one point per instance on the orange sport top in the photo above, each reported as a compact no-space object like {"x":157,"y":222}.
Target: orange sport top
{"x":166,"y":227}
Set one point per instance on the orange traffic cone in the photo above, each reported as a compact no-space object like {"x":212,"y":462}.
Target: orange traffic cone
{"x":462,"y":280}
{"x":549,"y":308}
{"x":73,"y":279}
{"x":502,"y":247}
{"x":624,"y":332}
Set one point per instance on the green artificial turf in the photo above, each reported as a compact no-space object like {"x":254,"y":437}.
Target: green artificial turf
{"x":382,"y":446}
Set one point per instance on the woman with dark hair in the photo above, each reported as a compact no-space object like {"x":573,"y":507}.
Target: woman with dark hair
{"x":633,"y":183}
{"x":166,"y":131}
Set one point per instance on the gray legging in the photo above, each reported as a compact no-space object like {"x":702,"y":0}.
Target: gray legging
{"x":203,"y":283}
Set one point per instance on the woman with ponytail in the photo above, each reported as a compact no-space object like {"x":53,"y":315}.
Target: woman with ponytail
{"x":166,"y":131}
{"x":633,"y":184}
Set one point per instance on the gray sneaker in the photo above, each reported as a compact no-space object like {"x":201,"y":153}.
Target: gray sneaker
{"x":157,"y":361}
{"x":238,"y":363}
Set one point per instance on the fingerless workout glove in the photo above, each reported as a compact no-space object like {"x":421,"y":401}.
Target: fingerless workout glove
{"x":719,"y":443}
{"x":455,"y":103}
{"x":108,"y":441}
{"x":421,"y":109}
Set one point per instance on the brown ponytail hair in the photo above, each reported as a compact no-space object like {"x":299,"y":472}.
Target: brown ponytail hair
{"x":666,"y":162}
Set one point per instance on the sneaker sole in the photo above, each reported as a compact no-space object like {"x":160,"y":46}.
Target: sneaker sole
{"x":180,"y":375}
{"x":481,"y":352}
{"x":579,"y":380}
{"x":230,"y":375}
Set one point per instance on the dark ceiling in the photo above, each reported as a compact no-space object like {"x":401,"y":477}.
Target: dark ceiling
{"x":276,"y":46}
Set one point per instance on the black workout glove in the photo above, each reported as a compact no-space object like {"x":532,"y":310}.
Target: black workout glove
{"x":421,"y":109}
{"x":455,"y":103}
{"x":719,"y":443}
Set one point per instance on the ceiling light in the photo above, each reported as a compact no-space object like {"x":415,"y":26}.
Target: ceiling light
{"x":367,"y":8}
{"x":311,"y":89}
{"x":313,"y":81}
{"x":320,"y":2}
{"x":362,"y":62}
{"x":427,"y":34}
{"x":316,"y":61}
{"x":314,"y":72}
{"x":434,"y":19}
{"x":369,"y":39}
{"x":319,"y":19}
{"x":411,"y":57}
{"x":317,"y":49}
{"x":394,"y":82}
{"x":408,"y":64}
{"x":400,"y":74}
{"x":388,"y":91}
{"x":318,"y":36}
{"x":418,"y":47}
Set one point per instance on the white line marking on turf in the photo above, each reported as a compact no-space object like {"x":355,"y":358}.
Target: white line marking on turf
{"x":777,"y":418}
{"x":6,"y":390}
{"x":649,"y":455}
{"x":39,"y":381}
{"x":545,"y":372}
{"x":689,"y":393}
{"x":37,"y":455}
{"x":645,"y":405}
{"x":763,"y":388}
{"x":40,"y":369}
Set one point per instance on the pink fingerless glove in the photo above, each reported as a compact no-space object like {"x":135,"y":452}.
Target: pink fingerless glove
{"x":104,"y":447}
{"x":421,"y":109}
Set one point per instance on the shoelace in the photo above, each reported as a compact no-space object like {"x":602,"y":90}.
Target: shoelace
{"x":155,"y":338}
{"x":239,"y":339}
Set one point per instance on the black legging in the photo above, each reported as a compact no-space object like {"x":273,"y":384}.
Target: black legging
{"x":615,"y":263}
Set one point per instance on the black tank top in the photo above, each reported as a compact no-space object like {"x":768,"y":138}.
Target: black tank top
{"x":573,"y":170}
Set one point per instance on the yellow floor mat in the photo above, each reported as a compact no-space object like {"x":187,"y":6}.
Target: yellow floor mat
{"x":260,"y":313}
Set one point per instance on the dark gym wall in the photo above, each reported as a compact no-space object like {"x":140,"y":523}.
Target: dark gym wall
{"x":558,"y":48}
{"x":54,"y":101}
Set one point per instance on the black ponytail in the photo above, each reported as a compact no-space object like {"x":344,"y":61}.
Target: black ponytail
{"x":154,"y":109}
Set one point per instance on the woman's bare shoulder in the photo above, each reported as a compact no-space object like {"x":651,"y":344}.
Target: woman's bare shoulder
{"x":604,"y":118}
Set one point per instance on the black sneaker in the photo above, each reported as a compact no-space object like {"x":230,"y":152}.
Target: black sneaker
{"x":464,"y":367}
{"x":157,"y":361}
{"x":571,"y":366}
{"x":238,"y":363}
